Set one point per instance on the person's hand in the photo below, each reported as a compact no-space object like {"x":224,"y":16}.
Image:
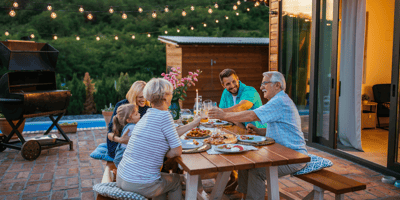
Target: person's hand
{"x":216,"y":113}
{"x":125,"y":137}
{"x":251,"y":129}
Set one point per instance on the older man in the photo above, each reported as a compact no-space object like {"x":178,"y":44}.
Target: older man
{"x":283,"y":120}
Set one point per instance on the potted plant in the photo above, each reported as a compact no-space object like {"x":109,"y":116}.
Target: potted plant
{"x":107,"y":113}
{"x":69,"y":127}
{"x":6,"y":128}
{"x":365,"y":98}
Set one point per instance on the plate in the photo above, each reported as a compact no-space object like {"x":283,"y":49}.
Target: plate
{"x":188,"y":144}
{"x":214,"y":122}
{"x":233,"y":148}
{"x":197,"y":137}
{"x":253,"y":138}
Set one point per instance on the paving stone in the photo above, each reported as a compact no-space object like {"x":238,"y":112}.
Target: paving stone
{"x":73,"y":193}
{"x":44,"y":187}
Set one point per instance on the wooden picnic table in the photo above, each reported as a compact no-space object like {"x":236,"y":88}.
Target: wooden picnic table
{"x":270,"y":156}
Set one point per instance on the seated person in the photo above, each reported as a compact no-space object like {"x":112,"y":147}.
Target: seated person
{"x":124,"y":122}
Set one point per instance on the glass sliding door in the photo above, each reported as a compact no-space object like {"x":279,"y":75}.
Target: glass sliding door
{"x":295,"y":54}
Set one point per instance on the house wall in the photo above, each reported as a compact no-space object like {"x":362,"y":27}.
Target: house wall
{"x":174,"y":56}
{"x":379,"y":44}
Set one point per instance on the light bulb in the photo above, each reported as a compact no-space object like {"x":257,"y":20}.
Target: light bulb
{"x":166,"y":32}
{"x":205,"y":25}
{"x":166,"y":9}
{"x":245,"y":0}
{"x":183,"y":12}
{"x":234,"y":7}
{"x":191,"y":28}
{"x":90,"y":16}
{"x":140,"y":9}
{"x":216,"y":21}
{"x":148,"y":35}
{"x":7,"y":33}
{"x":55,"y":37}
{"x":238,"y":2}
{"x":32,"y":36}
{"x":210,"y":10}
{"x":97,"y":38}
{"x":237,"y":14}
{"x":133,"y":36}
{"x":111,"y":10}
{"x":256,"y":4}
{"x":53,"y":15}
{"x":248,"y":9}
{"x":78,"y":38}
{"x":124,"y":16}
{"x":216,"y":5}
{"x":12,"y":13}
{"x":49,"y":8}
{"x":177,"y":30}
{"x":154,"y":14}
{"x":226,"y":17}
{"x":15,"y":4}
{"x":192,"y":7}
{"x":116,"y":37}
{"x":81,"y":9}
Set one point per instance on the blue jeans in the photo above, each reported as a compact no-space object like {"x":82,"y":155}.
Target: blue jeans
{"x":119,"y":152}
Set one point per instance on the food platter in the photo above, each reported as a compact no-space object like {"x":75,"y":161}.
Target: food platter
{"x":191,"y":144}
{"x":251,"y":138}
{"x":216,"y":122}
{"x":197,"y":133}
{"x":230,"y":148}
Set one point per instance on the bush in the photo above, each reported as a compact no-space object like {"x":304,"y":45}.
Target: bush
{"x":78,"y":97}
{"x":123,"y":85}
{"x":105,"y":94}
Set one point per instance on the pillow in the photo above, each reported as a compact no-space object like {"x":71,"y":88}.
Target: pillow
{"x":111,"y":190}
{"x":101,"y":153}
{"x":315,"y":164}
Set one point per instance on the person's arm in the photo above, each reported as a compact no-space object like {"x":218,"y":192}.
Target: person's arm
{"x":254,"y":130}
{"x":243,"y":116}
{"x":124,"y":139}
{"x":239,"y":124}
{"x":175,"y":152}
{"x":241,"y":106}
{"x":185,"y":128}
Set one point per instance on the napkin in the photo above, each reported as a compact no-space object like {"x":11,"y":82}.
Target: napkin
{"x":212,"y":151}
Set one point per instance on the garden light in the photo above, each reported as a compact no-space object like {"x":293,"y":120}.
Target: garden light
{"x":226,"y":17}
{"x":148,"y":35}
{"x":183,"y":12}
{"x":210,"y":10}
{"x":238,"y":3}
{"x":53,"y":15}
{"x":97,"y":38}
{"x":15,"y":4}
{"x":90,"y":16}
{"x":32,"y":36}
{"x":116,"y":37}
{"x":191,"y":28}
{"x":140,"y":9}
{"x":7,"y":33}
{"x":55,"y":37}
{"x":154,"y":14}
{"x":216,"y":21}
{"x":216,"y":5}
{"x":133,"y":36}
{"x":234,"y":7}
{"x":166,"y":9}
{"x":192,"y":7}
{"x":124,"y":16}
{"x":49,"y":8}
{"x":81,"y":9}
{"x":12,"y":13}
{"x":177,"y":30}
{"x":166,"y":32}
{"x":78,"y":38}
{"x":111,"y":10}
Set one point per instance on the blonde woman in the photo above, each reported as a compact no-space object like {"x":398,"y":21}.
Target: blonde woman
{"x":134,"y":96}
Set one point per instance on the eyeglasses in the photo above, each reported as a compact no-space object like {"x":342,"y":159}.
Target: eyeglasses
{"x":266,"y":82}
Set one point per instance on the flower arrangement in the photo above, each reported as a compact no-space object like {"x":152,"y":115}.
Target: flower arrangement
{"x":108,"y":109}
{"x":365,"y":97}
{"x":66,"y":123}
{"x":181,"y":85}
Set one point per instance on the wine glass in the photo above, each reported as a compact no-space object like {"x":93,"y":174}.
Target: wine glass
{"x":186,"y":115}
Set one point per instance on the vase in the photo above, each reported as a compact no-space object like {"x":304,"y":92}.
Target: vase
{"x":175,"y":109}
{"x":70,"y":128}
{"x":107,"y":117}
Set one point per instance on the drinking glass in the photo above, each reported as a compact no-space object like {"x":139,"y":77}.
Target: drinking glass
{"x":186,"y":116}
{"x":207,"y":105}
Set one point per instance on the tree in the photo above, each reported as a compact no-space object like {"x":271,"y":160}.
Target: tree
{"x":123,"y":85}
{"x":77,"y":99}
{"x":89,"y":105}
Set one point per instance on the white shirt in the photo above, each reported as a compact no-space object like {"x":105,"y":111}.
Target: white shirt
{"x":234,"y":99}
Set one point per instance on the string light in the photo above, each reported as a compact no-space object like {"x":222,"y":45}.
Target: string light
{"x":166,"y":9}
{"x":116,"y":37}
{"x":183,"y":12}
{"x":154,"y":14}
{"x":133,"y":36}
{"x":15,"y":4}
{"x":81,"y":9}
{"x":210,"y":10}
{"x":166,"y":32}
{"x":140,"y":9}
{"x":49,"y":8}
{"x":111,"y":10}
{"x":90,"y":16}
{"x":97,"y":38}
{"x":216,"y":21}
{"x":32,"y":35}
{"x":191,"y":28}
{"x":204,"y":24}
{"x":53,"y":15}
{"x":237,"y":14}
{"x":55,"y":37}
{"x":12,"y":13}
{"x":234,"y":7}
{"x":78,"y":38}
{"x":256,"y":4}
{"x":177,"y":30}
{"x":192,"y":7}
{"x":226,"y":17}
{"x":248,"y":9}
{"x":245,"y":0}
{"x":216,"y":5}
{"x":148,"y":35}
{"x":7,"y":33}
{"x":124,"y":16}
{"x":238,"y":2}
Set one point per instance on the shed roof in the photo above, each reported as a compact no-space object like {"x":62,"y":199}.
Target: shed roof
{"x":190,"y":40}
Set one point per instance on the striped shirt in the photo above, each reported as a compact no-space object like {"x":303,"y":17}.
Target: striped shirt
{"x":283,"y":119}
{"x":153,"y":136}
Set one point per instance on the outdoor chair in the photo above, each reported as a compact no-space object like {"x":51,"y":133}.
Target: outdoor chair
{"x":382,"y":97}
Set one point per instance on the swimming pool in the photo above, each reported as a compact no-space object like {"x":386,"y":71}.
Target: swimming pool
{"x":83,"y":124}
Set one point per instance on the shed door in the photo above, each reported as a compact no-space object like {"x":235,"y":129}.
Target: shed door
{"x":274,"y":24}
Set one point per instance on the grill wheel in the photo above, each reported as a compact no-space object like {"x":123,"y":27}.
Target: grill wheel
{"x":31,"y":150}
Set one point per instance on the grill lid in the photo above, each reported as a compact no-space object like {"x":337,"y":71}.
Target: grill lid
{"x":27,"y":55}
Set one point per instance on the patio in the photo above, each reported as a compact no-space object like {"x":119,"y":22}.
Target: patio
{"x":62,"y":174}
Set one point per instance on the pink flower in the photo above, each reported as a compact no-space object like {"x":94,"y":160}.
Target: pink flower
{"x":183,"y":80}
{"x":195,"y":79}
{"x":166,"y":77}
{"x":192,"y":83}
{"x":198,"y":71}
{"x":173,"y":69}
{"x":178,"y":68}
{"x":195,"y":74}
{"x":163,"y":74}
{"x":189,"y":79}
{"x":173,"y":77}
{"x":190,"y":73}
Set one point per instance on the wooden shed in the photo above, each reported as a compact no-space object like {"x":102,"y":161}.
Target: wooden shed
{"x":247,"y":56}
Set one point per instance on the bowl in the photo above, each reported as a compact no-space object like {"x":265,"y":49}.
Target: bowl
{"x":397,"y":184}
{"x":389,"y":179}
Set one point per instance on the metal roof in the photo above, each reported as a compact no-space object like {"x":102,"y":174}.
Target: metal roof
{"x":178,"y":40}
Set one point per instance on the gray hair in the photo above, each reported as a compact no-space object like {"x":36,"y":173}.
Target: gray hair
{"x":156,"y":89}
{"x":276,"y":77}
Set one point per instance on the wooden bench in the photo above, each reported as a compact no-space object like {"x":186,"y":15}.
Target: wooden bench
{"x":327,"y":180}
{"x":108,"y":176}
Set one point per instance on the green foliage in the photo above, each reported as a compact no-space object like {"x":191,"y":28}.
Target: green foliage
{"x":67,"y":123}
{"x":78,"y":97}
{"x":123,"y":85}
{"x":105,"y":94}
{"x":89,"y":105}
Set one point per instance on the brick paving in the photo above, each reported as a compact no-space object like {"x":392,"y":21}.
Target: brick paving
{"x":62,"y":174}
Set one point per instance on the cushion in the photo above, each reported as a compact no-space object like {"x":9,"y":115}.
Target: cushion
{"x":111,"y":190}
{"x":315,"y":164}
{"x":101,"y":153}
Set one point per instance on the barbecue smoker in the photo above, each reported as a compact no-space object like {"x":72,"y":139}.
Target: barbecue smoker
{"x":30,"y":91}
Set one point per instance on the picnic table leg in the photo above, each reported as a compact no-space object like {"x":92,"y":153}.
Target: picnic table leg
{"x":220,"y":184}
{"x":192,"y":182}
{"x":272,"y":182}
